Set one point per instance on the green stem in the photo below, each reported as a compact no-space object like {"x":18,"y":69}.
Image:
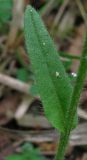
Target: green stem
{"x":62,"y":146}
{"x":78,"y":87}
{"x":70,"y":56}
{"x":74,"y":102}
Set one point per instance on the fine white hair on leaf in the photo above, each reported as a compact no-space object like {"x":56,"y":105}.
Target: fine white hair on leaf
{"x":31,"y":10}
{"x":44,"y":43}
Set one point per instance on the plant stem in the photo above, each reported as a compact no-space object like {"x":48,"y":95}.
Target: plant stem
{"x":82,"y":10}
{"x":62,"y":146}
{"x":78,"y":87}
{"x":74,"y":102}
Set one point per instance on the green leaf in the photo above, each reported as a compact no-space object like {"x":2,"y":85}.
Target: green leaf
{"x":34,"y":90}
{"x":67,"y":64}
{"x":29,"y":153}
{"x":5,"y":10}
{"x":15,"y":157}
{"x":52,"y":81}
{"x":61,"y":1}
{"x":22,"y":74}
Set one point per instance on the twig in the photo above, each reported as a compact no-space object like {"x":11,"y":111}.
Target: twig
{"x":32,"y":120}
{"x":82,"y":10}
{"x":14,"y":84}
{"x":48,"y":8}
{"x":60,"y":13}
{"x":82,"y":114}
{"x":18,"y":9}
{"x":78,"y":136}
{"x":23,"y":107}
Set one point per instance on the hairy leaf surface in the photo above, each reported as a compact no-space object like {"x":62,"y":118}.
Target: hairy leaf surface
{"x":53,"y":83}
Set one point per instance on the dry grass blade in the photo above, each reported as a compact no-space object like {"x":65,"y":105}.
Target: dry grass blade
{"x":14,"y":84}
{"x":16,"y":23}
{"x":82,"y":10}
{"x":59,"y":14}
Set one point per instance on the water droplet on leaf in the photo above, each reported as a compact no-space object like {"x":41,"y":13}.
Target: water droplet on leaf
{"x":74,"y":74}
{"x":57,"y":74}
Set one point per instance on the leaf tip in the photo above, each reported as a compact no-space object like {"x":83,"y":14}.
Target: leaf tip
{"x":29,"y":8}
